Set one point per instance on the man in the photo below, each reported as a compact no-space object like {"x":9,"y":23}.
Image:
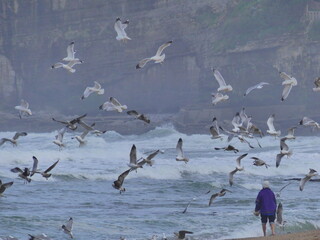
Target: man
{"x":266,"y":205}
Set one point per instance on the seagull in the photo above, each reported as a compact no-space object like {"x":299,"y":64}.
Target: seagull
{"x":67,"y":228}
{"x":257,"y":86}
{"x":222,"y":84}
{"x":59,"y":138}
{"x":81,"y":139}
{"x":182,"y":234}
{"x":214,"y":129}
{"x":113,"y":105}
{"x":272,"y":131}
{"x":218,"y":97}
{"x":35,"y":166}
{"x":139,"y":116}
{"x":259,"y":162}
{"x":180,"y":155}
{"x":280,"y":221}
{"x":228,"y":148}
{"x":72,"y":124}
{"x":218,"y":194}
{"x":46,"y":173}
{"x":288,"y":83}
{"x":23,"y":108}
{"x":236,"y":123}
{"x":14,"y":139}
{"x":317,"y":83}
{"x":4,"y":186}
{"x":290,"y":134}
{"x":303,"y":181}
{"x":238,"y":168}
{"x":24,"y":174}
{"x":98,"y":132}
{"x":70,"y":54}
{"x":68,"y":66}
{"x":158,"y":58}
{"x":255,"y":130}
{"x":118,"y":183}
{"x":95,"y":89}
{"x":149,"y":160}
{"x":120,"y":27}
{"x":133,"y":164}
{"x":39,"y":237}
{"x":309,"y":122}
{"x":284,"y":150}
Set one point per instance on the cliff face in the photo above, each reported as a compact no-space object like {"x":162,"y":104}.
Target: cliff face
{"x":248,"y":41}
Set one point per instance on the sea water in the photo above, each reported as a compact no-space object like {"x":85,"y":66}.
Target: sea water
{"x":155,"y":197}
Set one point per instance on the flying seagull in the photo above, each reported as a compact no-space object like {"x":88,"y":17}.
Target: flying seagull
{"x":118,"y":183}
{"x":222,"y":84}
{"x":67,"y":228}
{"x":46,"y":173}
{"x":133,"y":164}
{"x":95,"y":89}
{"x":158,"y":58}
{"x":284,"y":150}
{"x":214,"y":129}
{"x":113,"y":105}
{"x":309,"y":122}
{"x":59,"y":138}
{"x":139,"y":116}
{"x":303,"y":181}
{"x":257,"y":86}
{"x":24,"y":174}
{"x":272,"y":131}
{"x":218,"y":97}
{"x":14,"y":139}
{"x":148,"y":160}
{"x":39,"y":237}
{"x":180,"y":155}
{"x":218,"y":194}
{"x":70,"y":54}
{"x":68,"y":66}
{"x":288,"y":83}
{"x":72,"y":124}
{"x":280,"y":221}
{"x":290,"y":134}
{"x":259,"y":162}
{"x":4,"y":186}
{"x":120,"y":29}
{"x":228,"y":148}
{"x":238,"y":168}
{"x":81,"y":138}
{"x":317,"y":83}
{"x":23,"y":109}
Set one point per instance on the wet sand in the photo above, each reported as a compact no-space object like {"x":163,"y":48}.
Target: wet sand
{"x":308,"y":235}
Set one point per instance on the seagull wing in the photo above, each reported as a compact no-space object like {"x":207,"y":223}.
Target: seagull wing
{"x":219,"y":78}
{"x":86,"y":93}
{"x":114,"y":101}
{"x":97,"y":85}
{"x":18,"y":134}
{"x":35,"y":165}
{"x":285,"y":76}
{"x":133,"y":155}
{"x":231,"y":176}
{"x":179,"y":148}
{"x":143,"y":62}
{"x":118,"y":27}
{"x":303,"y":182}
{"x":122,"y":176}
{"x":16,"y":170}
{"x":270,"y":123}
{"x":69,"y":224}
{"x":24,"y":104}
{"x":213,"y":196}
{"x":286,"y":91}
{"x":133,"y":113}
{"x":70,"y":51}
{"x":51,"y":167}
{"x":214,"y":131}
{"x":162,"y":47}
{"x":278,"y":160}
{"x":238,"y":161}
{"x":152,"y":155}
{"x":283,"y":145}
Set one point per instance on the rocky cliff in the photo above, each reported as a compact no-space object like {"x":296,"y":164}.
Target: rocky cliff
{"x":248,"y":41}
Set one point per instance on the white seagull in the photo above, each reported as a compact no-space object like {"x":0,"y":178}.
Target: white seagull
{"x":288,"y":83}
{"x":214,"y":129}
{"x":113,"y":105}
{"x":70,"y":54}
{"x":133,"y":164}
{"x":257,"y":86}
{"x":67,"y":228}
{"x":218,"y":97}
{"x":95,"y":89}
{"x":59,"y":138}
{"x":23,"y":109}
{"x":317,"y":83}
{"x":238,"y":168}
{"x":284,"y":150}
{"x":272,"y":131}
{"x":303,"y":181}
{"x":158,"y":58}
{"x":120,"y":27}
{"x":68,"y":66}
{"x":290,"y":134}
{"x":14,"y":139}
{"x":309,"y":122}
{"x":222,"y":84}
{"x":180,"y":155}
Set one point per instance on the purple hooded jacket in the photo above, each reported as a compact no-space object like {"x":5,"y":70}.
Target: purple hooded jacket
{"x":266,"y":202}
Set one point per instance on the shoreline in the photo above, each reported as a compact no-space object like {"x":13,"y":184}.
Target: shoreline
{"x":306,"y":235}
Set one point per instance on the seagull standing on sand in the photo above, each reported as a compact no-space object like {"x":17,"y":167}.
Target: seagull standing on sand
{"x":95,"y":89}
{"x":14,"y":139}
{"x":317,"y":83}
{"x":288,"y":83}
{"x":23,"y":109}
{"x":67,"y":228}
{"x":120,"y":27}
{"x":113,"y":105}
{"x":222,"y":83}
{"x":158,"y":58}
{"x":272,"y":131}
{"x":303,"y":181}
{"x":180,"y":155}
{"x":118,"y":183}
{"x":238,"y":168}
{"x":258,"y":86}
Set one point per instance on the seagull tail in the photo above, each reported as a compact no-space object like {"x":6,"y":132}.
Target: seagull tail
{"x":290,"y":153}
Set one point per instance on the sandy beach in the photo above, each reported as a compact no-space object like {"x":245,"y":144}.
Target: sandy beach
{"x":308,"y":235}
